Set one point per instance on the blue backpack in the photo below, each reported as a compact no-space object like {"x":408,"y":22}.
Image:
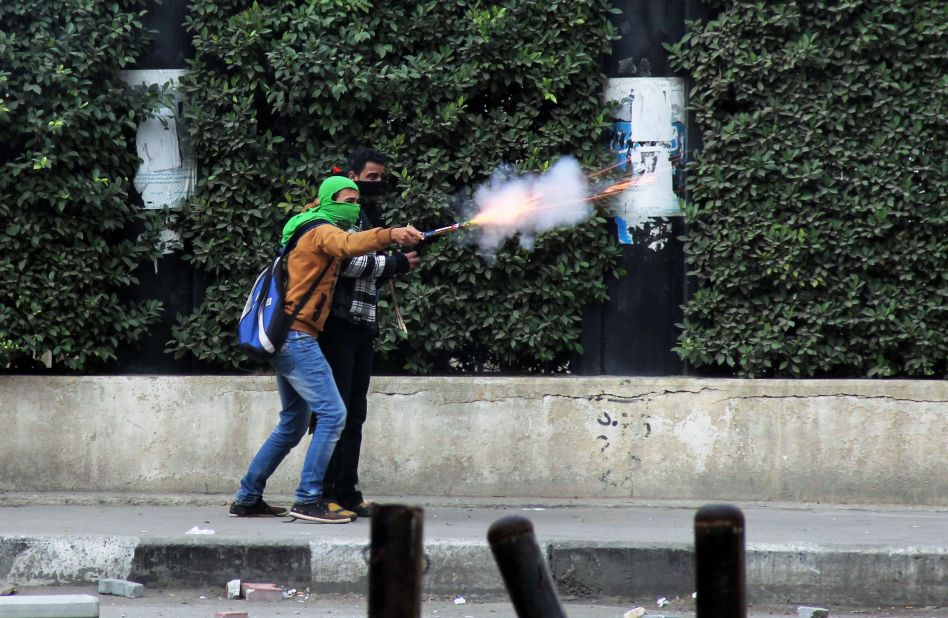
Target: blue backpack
{"x":263,"y":323}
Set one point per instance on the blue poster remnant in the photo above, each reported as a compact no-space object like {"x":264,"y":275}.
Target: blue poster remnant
{"x":648,"y":139}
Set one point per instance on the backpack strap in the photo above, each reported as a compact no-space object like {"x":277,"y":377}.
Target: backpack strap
{"x":300,"y":232}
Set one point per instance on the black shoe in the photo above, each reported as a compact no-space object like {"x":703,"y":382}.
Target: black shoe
{"x":318,"y":512}
{"x":260,"y":509}
{"x":362,"y":509}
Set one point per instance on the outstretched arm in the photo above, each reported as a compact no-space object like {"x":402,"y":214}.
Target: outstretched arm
{"x":337,"y":243}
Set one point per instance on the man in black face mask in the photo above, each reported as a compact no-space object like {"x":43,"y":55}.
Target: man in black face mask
{"x":348,"y":336}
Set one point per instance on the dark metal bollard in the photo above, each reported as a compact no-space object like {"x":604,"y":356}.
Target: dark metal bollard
{"x":719,"y":562}
{"x":524,"y":568}
{"x":396,"y":557}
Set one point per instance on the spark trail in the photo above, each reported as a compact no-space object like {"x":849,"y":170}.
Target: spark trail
{"x":529,"y":205}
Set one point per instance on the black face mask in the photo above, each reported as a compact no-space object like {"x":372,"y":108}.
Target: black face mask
{"x":372,"y":188}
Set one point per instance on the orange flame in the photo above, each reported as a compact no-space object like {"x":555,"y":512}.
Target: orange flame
{"x":509,"y":210}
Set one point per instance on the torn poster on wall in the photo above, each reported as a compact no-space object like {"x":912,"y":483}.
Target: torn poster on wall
{"x":168,"y":172}
{"x":648,"y":140}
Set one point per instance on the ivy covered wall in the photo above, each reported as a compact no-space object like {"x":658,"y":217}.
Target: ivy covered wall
{"x":818,"y":227}
{"x":67,"y":156}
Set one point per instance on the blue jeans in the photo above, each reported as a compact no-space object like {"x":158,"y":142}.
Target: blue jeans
{"x":306,"y":387}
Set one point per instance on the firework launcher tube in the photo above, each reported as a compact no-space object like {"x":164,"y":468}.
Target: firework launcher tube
{"x":448,"y":229}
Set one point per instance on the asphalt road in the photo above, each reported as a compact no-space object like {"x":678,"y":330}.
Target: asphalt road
{"x":204,"y":603}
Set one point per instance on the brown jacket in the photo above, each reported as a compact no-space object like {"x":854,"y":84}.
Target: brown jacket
{"x":315,"y":253}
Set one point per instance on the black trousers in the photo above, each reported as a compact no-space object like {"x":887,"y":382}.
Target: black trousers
{"x":348,"y":349}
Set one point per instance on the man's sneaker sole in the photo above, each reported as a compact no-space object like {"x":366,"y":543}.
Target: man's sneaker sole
{"x":320,"y":519}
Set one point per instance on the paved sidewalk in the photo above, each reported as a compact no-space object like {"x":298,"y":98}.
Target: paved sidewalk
{"x":806,"y":554}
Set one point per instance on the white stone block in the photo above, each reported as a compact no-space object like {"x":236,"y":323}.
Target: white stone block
{"x":50,"y":606}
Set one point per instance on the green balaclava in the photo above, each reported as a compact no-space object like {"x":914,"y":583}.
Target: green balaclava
{"x":340,"y":214}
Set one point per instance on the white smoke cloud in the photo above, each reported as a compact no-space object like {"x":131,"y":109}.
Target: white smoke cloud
{"x":531,"y":204}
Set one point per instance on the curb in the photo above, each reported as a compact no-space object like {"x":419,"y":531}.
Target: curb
{"x":791,"y":574}
{"x":776,"y":574}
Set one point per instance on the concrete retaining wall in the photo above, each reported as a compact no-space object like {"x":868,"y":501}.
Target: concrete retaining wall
{"x":845,"y":441}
